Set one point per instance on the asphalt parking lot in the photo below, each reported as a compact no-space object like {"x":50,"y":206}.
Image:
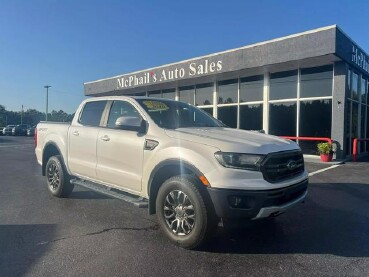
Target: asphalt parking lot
{"x":93,"y":235}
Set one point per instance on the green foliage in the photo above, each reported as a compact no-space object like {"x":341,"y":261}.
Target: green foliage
{"x":325,"y":148}
{"x":31,"y":117}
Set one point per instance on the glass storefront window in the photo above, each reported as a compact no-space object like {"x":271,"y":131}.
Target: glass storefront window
{"x":348,"y":126}
{"x":155,"y":93}
{"x":251,"y":117}
{"x":251,"y":88}
{"x":187,"y":94}
{"x":315,"y":121}
{"x":355,"y":85}
{"x":362,"y":128}
{"x":204,"y":94}
{"x":228,"y":115}
{"x":283,"y":85}
{"x":208,"y":110}
{"x":228,"y":91}
{"x":169,"y":94}
{"x":363,"y":91}
{"x":282,"y":119}
{"x":316,"y":81}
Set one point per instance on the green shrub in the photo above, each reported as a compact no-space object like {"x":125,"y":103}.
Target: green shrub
{"x":325,"y":148}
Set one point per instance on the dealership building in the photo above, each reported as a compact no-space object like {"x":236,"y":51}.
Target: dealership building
{"x":311,"y":84}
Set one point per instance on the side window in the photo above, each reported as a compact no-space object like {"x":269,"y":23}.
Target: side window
{"x":121,"y":108}
{"x":92,"y":112}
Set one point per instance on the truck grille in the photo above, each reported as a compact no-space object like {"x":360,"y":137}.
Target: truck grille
{"x":282,"y":166}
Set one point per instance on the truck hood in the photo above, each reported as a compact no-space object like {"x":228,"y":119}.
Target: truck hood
{"x":233,"y":140}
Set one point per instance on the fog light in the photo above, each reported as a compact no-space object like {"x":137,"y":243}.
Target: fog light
{"x":235,"y":201}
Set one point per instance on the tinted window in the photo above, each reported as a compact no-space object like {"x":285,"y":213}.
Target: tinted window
{"x":282,"y":119}
{"x":251,"y":89}
{"x":92,"y":112}
{"x":121,"y":108}
{"x":174,"y":114}
{"x":204,"y":94}
{"x":363,"y":91}
{"x":355,"y":84}
{"x":228,"y":115}
{"x":187,"y":94}
{"x":315,"y":121}
{"x":251,"y":117}
{"x":228,"y":91}
{"x":316,"y":81}
{"x":283,"y":85}
{"x":169,"y":94}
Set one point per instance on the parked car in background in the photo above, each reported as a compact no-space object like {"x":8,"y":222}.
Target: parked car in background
{"x":7,"y":131}
{"x":20,"y":130}
{"x":1,"y":131}
{"x":31,"y":131}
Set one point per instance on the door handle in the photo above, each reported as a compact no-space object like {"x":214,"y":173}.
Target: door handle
{"x":105,"y":138}
{"x":75,"y":133}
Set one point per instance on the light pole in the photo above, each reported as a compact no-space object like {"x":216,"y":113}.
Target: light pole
{"x":47,"y":99}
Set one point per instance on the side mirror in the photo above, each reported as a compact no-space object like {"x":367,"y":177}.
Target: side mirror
{"x":131,"y":123}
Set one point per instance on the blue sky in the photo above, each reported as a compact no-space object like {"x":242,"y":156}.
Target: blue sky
{"x":66,"y":43}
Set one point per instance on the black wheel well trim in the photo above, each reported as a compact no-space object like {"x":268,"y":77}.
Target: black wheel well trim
{"x":53,"y":144}
{"x":169,"y":162}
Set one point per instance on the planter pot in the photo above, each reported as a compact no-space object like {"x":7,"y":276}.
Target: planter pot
{"x":326,"y":157}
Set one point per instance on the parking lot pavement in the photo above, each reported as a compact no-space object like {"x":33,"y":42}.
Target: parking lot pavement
{"x":92,"y":235}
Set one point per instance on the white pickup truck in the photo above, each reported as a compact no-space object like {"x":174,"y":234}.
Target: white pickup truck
{"x":191,"y":170}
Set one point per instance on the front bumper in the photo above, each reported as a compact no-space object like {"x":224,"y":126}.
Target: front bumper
{"x":254,"y":204}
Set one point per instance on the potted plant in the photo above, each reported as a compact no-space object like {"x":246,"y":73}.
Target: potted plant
{"x":325,"y":150}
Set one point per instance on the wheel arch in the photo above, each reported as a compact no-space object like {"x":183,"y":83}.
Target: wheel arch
{"x":50,"y":149}
{"x":165,"y":170}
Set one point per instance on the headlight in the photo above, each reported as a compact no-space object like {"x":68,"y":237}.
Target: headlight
{"x":239,"y":160}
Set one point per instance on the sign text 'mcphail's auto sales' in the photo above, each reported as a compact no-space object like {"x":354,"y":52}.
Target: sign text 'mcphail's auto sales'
{"x":162,"y":75}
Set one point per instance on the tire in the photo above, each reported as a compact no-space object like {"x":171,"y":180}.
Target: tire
{"x":57,"y":178}
{"x":185,"y":214}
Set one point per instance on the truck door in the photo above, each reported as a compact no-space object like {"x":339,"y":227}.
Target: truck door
{"x":82,"y":140}
{"x":120,"y":152}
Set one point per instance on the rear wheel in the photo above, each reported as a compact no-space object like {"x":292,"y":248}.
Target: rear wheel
{"x":184,"y":213}
{"x":58,"y":179}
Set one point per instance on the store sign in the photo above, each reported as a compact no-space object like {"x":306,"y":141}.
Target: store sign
{"x":194,"y":69}
{"x":360,"y":58}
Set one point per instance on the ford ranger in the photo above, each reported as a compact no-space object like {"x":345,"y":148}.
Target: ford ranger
{"x":192,"y":171}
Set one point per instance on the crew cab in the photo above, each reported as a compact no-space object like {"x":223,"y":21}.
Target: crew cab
{"x":193,"y":171}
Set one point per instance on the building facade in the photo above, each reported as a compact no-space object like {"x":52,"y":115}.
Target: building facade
{"x":312,"y":84}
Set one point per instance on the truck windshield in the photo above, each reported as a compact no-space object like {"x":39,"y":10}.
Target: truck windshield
{"x":173,"y":114}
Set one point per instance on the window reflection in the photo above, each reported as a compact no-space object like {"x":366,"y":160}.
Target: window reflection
{"x":363,"y":91}
{"x":228,"y":91}
{"x":251,"y":117}
{"x":251,"y":89}
{"x":204,"y":94}
{"x":282,"y":119}
{"x":187,"y":94}
{"x":316,"y":81}
{"x":283,"y":85}
{"x":169,"y":94}
{"x":228,"y":115}
{"x":355,"y":84}
{"x":313,"y":124}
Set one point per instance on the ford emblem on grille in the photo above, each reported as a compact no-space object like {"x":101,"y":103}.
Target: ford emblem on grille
{"x":291,"y":164}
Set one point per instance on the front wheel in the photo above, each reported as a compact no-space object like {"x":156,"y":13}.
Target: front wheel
{"x":58,"y":179}
{"x":184,"y":213}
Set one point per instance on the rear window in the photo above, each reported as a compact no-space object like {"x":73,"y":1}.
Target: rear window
{"x":92,"y":112}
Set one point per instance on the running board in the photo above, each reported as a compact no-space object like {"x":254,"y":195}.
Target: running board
{"x":112,"y":192}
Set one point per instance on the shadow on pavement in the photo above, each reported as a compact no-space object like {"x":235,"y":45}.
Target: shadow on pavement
{"x":21,"y":247}
{"x":334,"y":220}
